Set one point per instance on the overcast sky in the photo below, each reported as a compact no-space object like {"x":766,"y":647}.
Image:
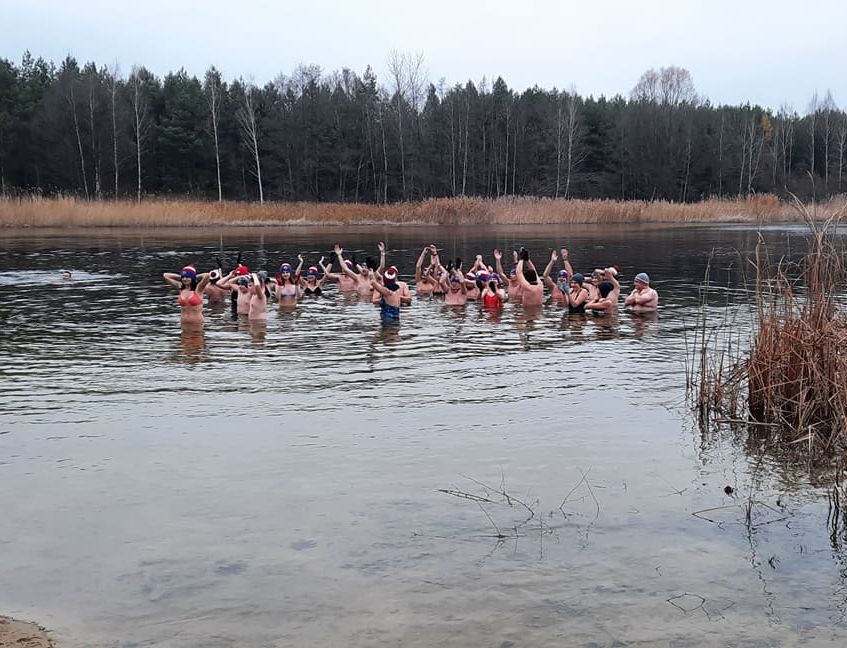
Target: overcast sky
{"x":768,"y":53}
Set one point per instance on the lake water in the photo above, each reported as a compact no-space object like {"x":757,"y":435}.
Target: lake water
{"x":465,"y":480}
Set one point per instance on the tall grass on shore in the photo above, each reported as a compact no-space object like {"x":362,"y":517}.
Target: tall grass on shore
{"x":790,"y":384}
{"x":72,"y":212}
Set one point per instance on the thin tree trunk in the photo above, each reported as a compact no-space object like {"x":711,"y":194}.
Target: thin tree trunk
{"x":115,"y":129}
{"x":72,"y":102}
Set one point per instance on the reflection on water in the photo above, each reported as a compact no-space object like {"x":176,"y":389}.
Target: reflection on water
{"x":469,"y":477}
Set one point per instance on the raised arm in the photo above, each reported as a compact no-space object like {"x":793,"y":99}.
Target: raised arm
{"x":419,"y":264}
{"x":546,"y":277}
{"x":202,"y":283}
{"x":338,"y":253}
{"x":299,"y":266}
{"x":498,"y":264}
{"x":519,"y":275}
{"x":173,"y":279}
{"x":566,"y":261}
{"x":381,"y":267}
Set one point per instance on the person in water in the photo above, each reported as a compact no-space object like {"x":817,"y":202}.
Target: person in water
{"x":424,"y":282}
{"x":288,"y":284}
{"x":389,"y":290}
{"x":603,"y":304}
{"x":361,"y":281}
{"x":532,"y":290}
{"x":643,"y":298}
{"x":312,"y":283}
{"x":578,"y":295}
{"x":492,"y":295}
{"x":218,"y":288}
{"x":559,"y":288}
{"x":513,"y":286}
{"x":191,"y":288}
{"x":455,"y":289}
{"x":259,"y":297}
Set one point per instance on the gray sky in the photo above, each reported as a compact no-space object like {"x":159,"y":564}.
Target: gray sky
{"x":769,"y":53}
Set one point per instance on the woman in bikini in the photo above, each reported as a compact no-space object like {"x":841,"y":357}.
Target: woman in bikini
{"x":288,"y":284}
{"x":578,"y":295}
{"x":312,"y":285}
{"x":191,"y":288}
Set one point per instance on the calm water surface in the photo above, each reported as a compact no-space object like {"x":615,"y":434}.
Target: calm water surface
{"x":466,"y":480}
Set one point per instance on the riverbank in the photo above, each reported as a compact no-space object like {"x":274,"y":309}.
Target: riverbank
{"x":22,"y":634}
{"x":72,"y":212}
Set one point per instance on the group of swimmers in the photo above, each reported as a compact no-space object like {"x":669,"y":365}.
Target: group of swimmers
{"x":249,"y":291}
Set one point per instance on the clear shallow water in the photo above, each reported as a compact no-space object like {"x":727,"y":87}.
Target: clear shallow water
{"x":283,"y":486}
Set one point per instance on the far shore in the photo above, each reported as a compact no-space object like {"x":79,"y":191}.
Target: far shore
{"x":23,"y":634}
{"x":159,"y":212}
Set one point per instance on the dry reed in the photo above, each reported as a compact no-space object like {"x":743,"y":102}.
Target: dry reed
{"x":792,"y":381}
{"x":73,"y":212}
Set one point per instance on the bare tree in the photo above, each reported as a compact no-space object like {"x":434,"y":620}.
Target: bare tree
{"x":114,"y":76}
{"x":141,"y":121}
{"x":246,"y":116}
{"x":814,"y":105}
{"x":841,"y":143}
{"x":213,"y":98}
{"x":828,"y":109}
{"x":94,"y":82}
{"x":69,"y":74}
{"x":397,"y":70}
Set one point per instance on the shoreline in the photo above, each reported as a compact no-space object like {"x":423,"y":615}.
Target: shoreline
{"x":23,"y":634}
{"x":70,"y":213}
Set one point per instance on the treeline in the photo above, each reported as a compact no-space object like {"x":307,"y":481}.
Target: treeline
{"x":94,"y":133}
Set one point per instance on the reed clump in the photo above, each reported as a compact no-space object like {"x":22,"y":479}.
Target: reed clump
{"x":36,"y":211}
{"x":791,"y":383}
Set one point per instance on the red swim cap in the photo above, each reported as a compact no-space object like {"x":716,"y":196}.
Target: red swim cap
{"x":390,"y":274}
{"x":241,"y":270}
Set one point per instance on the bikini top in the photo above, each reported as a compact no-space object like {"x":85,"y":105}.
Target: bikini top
{"x":491,"y":300}
{"x":193,"y":300}
{"x":312,"y":291}
{"x":287,"y":290}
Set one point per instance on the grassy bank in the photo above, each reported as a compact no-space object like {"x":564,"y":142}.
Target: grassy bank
{"x":71,"y":212}
{"x":789,"y":383}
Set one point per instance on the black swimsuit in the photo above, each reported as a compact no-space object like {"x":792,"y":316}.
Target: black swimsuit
{"x":576,"y":309}
{"x":316,"y":292}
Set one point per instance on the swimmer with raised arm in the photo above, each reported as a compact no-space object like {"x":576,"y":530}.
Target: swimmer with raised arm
{"x":559,"y":288}
{"x":288,"y":284}
{"x":389,"y":304}
{"x":532,"y":290}
{"x":191,"y":288}
{"x":424,"y":283}
{"x":312,"y":284}
{"x":361,"y":280}
{"x":513,"y":286}
{"x":643,"y":298}
{"x":259,"y":297}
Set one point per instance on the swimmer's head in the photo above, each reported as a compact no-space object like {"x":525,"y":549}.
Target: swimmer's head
{"x":241,"y":270}
{"x":605,"y":287}
{"x":643,"y":279}
{"x":349,"y":264}
{"x":243,"y":281}
{"x":578,"y":278}
{"x":66,"y":274}
{"x":482,"y":276}
{"x":455,"y":283}
{"x":263,"y":276}
{"x":189,"y":272}
{"x":563,"y":275}
{"x":285,"y":268}
{"x":215,"y":275}
{"x":512,"y":272}
{"x":389,"y":277}
{"x":312,"y":273}
{"x":531,"y":276}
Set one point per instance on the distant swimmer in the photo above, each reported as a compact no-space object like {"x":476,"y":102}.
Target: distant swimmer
{"x":532,"y":290}
{"x":643,"y":298}
{"x":66,"y":274}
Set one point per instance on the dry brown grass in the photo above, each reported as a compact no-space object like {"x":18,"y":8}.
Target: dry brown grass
{"x":71,"y":212}
{"x":792,"y":382}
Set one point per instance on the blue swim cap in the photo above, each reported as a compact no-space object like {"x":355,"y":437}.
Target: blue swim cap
{"x":579,"y":278}
{"x":643,"y":277}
